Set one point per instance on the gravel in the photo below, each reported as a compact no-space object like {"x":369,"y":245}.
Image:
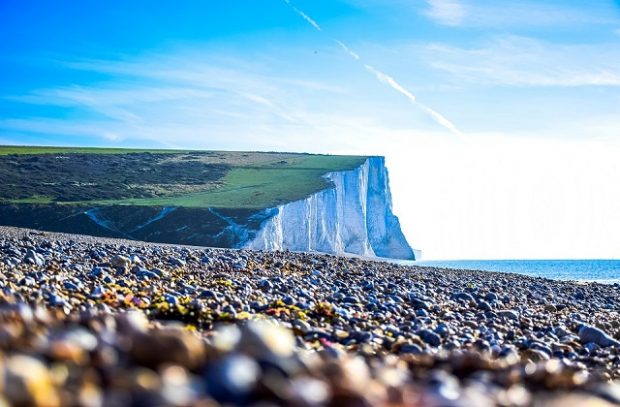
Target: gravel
{"x":102,"y":322}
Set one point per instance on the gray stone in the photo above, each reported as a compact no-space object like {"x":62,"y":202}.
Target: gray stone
{"x":430,"y":337}
{"x":588,"y":333}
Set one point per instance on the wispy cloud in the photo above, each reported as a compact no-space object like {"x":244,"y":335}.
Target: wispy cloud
{"x":505,"y":14}
{"x":387,"y":79}
{"x":447,"y":12}
{"x":154,"y":97}
{"x":522,"y":61}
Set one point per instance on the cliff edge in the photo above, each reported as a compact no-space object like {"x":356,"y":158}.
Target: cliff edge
{"x":353,"y":216}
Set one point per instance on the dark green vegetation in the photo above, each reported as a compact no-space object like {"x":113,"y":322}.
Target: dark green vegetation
{"x":84,"y":177}
{"x":197,"y":179}
{"x":204,"y":198}
{"x":29,"y":150}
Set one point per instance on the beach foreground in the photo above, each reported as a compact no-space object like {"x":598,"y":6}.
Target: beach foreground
{"x":89,"y":321}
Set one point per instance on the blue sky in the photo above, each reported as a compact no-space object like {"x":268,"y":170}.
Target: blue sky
{"x":499,"y":119}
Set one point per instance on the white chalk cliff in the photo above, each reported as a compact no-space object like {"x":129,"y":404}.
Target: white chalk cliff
{"x":353,"y":216}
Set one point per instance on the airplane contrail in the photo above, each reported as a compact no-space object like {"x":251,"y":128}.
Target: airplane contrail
{"x":304,"y":15}
{"x":383,"y":77}
{"x":388,"y":80}
{"x":348,"y":50}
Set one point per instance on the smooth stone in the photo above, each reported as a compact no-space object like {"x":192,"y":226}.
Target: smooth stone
{"x":461,"y":296}
{"x":301,"y":325}
{"x":97,"y":272}
{"x":27,"y":382}
{"x":484,"y":306}
{"x":363,"y":336}
{"x":168,"y":345}
{"x":588,"y":333}
{"x":350,"y":299}
{"x":34,"y":258}
{"x":240,"y":265}
{"x":535,"y":355}
{"x":27,"y":281}
{"x":509,"y":314}
{"x":265,"y":285}
{"x":207,"y":294}
{"x":173,"y":261}
{"x":120,"y":262}
{"x":417,"y":303}
{"x":97,"y":292}
{"x":442,"y":330}
{"x":231,"y":380}
{"x":550,"y":308}
{"x":171,"y":299}
{"x":260,"y":338}
{"x":410,"y":348}
{"x":70,"y":286}
{"x":430,"y":337}
{"x":591,"y":347}
{"x":146,"y":275}
{"x":541,"y":347}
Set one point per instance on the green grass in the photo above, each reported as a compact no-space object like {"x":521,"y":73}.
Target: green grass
{"x":261,"y":186}
{"x":32,"y":200}
{"x":254,"y":180}
{"x":6,"y":150}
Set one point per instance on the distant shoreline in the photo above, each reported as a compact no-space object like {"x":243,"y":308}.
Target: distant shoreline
{"x":605,"y":271}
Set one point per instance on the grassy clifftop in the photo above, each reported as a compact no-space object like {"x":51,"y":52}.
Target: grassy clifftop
{"x":141,"y":177}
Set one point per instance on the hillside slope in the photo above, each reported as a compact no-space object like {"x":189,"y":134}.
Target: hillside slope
{"x":206,"y":198}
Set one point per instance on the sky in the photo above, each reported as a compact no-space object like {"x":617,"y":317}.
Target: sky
{"x":499,"y":119}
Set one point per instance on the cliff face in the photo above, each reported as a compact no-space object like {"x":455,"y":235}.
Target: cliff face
{"x":355,"y":216}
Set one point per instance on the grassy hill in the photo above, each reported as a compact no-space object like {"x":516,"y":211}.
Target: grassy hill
{"x":158,"y":178}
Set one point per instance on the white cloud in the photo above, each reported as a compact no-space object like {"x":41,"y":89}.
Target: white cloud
{"x":197,"y":99}
{"x":446,"y":12}
{"x":521,"y":61}
{"x":503,"y":14}
{"x":528,"y":13}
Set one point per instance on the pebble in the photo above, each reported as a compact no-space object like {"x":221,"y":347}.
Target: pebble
{"x":119,"y":261}
{"x":464,"y":297}
{"x":232,"y":379}
{"x":430,"y":337}
{"x":107,"y":323}
{"x":35,"y":258}
{"x":509,"y":314}
{"x":595,"y":335}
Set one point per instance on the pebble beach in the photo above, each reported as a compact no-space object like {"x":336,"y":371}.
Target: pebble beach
{"x":87,"y":321}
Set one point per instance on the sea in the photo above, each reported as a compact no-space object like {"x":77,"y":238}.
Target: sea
{"x":603,"y":271}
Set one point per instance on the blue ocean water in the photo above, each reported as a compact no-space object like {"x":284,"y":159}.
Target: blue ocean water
{"x":604,"y":271}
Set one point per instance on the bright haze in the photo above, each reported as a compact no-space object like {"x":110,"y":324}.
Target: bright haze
{"x":500,"y":119}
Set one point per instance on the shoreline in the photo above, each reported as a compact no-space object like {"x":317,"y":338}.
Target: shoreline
{"x":604,"y":271}
{"x":127,"y":320}
{"x":27,"y":232}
